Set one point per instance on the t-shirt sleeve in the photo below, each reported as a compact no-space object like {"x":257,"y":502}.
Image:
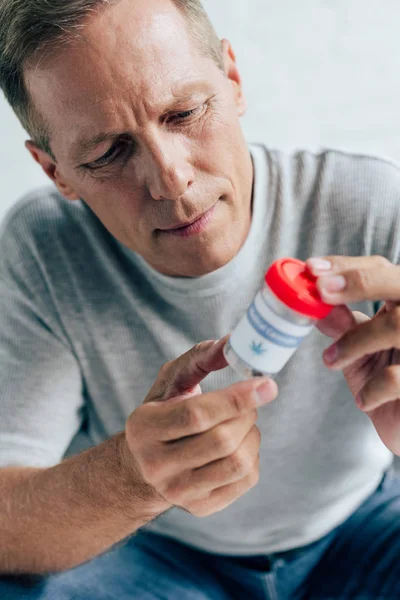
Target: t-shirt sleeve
{"x":385,"y":211}
{"x":376,"y":205}
{"x":41,"y":397}
{"x":361,"y":202}
{"x":370,"y":204}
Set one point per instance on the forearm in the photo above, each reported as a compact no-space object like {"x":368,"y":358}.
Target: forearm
{"x":57,"y":518}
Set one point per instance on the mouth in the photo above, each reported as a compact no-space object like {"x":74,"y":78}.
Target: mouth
{"x":190,"y":228}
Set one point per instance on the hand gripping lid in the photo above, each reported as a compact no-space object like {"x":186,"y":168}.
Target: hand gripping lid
{"x":294,"y":285}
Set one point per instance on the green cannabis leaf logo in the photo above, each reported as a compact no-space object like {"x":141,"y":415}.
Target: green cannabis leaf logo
{"x":258,"y":348}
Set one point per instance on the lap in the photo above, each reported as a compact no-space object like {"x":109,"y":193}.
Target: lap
{"x":362,"y":562}
{"x":134,"y":570}
{"x":357,"y":561}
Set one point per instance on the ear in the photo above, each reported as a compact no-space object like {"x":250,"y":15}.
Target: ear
{"x":51,"y":169}
{"x":232,"y":72}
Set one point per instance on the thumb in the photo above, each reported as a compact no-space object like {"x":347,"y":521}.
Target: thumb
{"x":339,"y":321}
{"x":183,"y":375}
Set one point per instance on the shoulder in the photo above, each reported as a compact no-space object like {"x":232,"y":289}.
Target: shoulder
{"x":40,"y":212}
{"x":337,"y":173}
{"x":34,"y":231}
{"x":364,"y":176}
{"x":43,"y":220}
{"x":355,"y":195}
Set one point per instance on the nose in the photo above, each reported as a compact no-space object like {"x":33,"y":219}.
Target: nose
{"x":166,"y":168}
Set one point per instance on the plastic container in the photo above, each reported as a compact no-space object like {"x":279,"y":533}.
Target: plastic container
{"x":283,"y":313}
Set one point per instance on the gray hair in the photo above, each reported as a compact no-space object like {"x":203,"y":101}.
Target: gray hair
{"x":28,"y":28}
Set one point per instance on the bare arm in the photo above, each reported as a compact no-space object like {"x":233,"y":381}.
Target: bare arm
{"x":180,"y":448}
{"x":57,"y":518}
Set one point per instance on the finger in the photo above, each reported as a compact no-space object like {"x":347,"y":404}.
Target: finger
{"x":388,"y":306}
{"x":337,"y":323}
{"x":353,"y":279}
{"x":382,"y":332}
{"x":199,"y":414}
{"x":381,"y":389}
{"x":222,"y":497}
{"x":227,"y":470}
{"x":186,"y":372}
{"x":218,"y":443}
{"x":338,"y":264}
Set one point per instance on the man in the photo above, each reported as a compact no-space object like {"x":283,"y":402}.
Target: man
{"x":157,"y":239}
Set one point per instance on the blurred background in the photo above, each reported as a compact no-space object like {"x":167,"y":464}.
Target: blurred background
{"x":317,"y":73}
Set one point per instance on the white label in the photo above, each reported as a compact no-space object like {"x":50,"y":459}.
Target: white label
{"x":264,"y":340}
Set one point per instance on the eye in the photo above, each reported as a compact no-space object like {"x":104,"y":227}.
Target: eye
{"x":116,"y":151}
{"x":186,"y":115}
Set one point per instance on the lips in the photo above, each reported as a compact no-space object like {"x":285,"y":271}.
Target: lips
{"x":191,"y":228}
{"x":186,"y":224}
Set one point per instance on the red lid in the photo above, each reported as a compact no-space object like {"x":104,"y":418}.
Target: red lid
{"x":296,"y":287}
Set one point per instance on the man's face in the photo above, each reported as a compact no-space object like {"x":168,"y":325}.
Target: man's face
{"x":145,"y":129}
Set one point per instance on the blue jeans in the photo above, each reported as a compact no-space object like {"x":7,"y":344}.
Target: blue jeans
{"x":359,"y":560}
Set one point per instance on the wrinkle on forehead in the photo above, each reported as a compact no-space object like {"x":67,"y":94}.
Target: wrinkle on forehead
{"x":181,"y":90}
{"x":112,"y":50}
{"x":185,"y":90}
{"x":125,"y":64}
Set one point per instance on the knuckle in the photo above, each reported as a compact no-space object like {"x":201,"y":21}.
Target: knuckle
{"x":192,"y":417}
{"x":165,"y":369}
{"x":202,"y":347}
{"x":152,"y":470}
{"x":147,"y":471}
{"x":201,"y":508}
{"x":241,"y":463}
{"x":392,"y":377}
{"x":175,"y":493}
{"x":224,"y":442}
{"x":200,"y":513}
{"x":254,"y":477}
{"x":362,"y":279}
{"x":132,"y":431}
{"x":237,"y":401}
{"x":254,"y":437}
{"x":137,"y":428}
{"x":393,"y":317}
{"x":381,"y":261}
{"x":250,"y":420}
{"x":256,"y":433}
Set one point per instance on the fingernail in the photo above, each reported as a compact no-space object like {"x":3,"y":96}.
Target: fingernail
{"x":330,"y":285}
{"x":320,"y":264}
{"x":331,"y":354}
{"x":263,"y":393}
{"x":220,"y":342}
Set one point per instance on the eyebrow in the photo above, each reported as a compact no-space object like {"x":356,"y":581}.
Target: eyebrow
{"x":82,"y":147}
{"x":183,"y":92}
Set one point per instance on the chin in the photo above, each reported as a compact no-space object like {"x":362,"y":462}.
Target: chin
{"x":201,"y":254}
{"x":203,"y":264}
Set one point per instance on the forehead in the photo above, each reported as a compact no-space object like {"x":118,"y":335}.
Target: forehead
{"x":134,"y":52}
